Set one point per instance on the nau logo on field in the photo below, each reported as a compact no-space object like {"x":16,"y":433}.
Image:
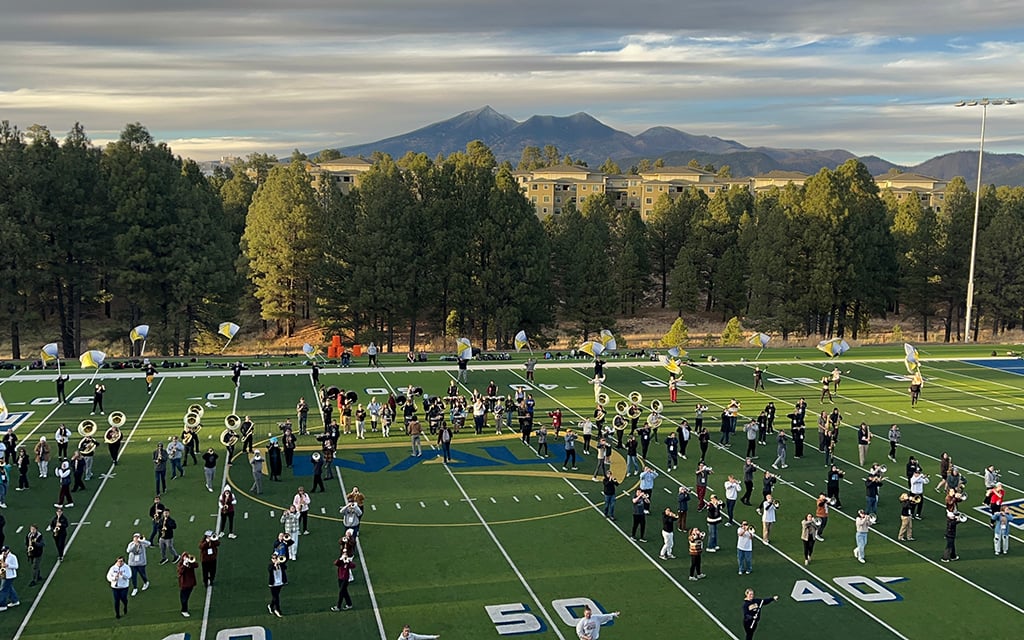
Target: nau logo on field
{"x":374,"y":461}
{"x":1016,"y":510}
{"x":13,"y":420}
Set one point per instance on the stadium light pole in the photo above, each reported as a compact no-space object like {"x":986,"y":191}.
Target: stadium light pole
{"x":984,"y":104}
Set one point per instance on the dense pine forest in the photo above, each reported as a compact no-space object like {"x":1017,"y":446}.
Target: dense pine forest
{"x":132,"y":233}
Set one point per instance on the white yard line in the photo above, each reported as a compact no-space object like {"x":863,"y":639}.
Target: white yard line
{"x":522,"y":579}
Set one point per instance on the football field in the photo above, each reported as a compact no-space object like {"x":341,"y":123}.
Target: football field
{"x":502,"y":541}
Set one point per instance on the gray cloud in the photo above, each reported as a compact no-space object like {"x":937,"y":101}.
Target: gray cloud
{"x":213,"y":78}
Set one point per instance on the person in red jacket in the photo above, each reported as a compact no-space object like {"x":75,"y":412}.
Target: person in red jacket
{"x":345,"y":566}
{"x":186,"y":580}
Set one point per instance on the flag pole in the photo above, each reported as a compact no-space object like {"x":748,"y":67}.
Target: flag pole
{"x":226,"y":344}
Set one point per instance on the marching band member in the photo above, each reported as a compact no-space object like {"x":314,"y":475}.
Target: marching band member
{"x":351,"y":515}
{"x":752,"y":611}
{"x":907,"y":504}
{"x":345,"y":566}
{"x":952,"y":520}
{"x":113,"y":438}
{"x":289,"y":442}
{"x":808,"y":534}
{"x":62,"y":437}
{"x":668,"y":525}
{"x":137,"y":562}
{"x":156,"y":515}
{"x":407,"y":634}
{"x":227,"y":502}
{"x":821,"y":513}
{"x":1001,"y":522}
{"x":277,"y":578}
{"x":22,"y":462}
{"x":994,"y":498}
{"x":301,"y":502}
{"x":64,"y":476}
{"x":59,"y":528}
{"x":209,"y":467}
{"x":175,"y":452}
{"x":257,"y":472}
{"x":570,"y":450}
{"x":290,"y":520}
{"x":42,"y":451}
{"x":701,"y":484}
{"x":917,"y":482}
{"x":160,"y":468}
{"x":209,"y":547}
{"x":119,"y":577}
{"x":360,"y":422}
{"x":34,"y":553}
{"x":749,"y":469}
{"x":713,"y":518}
{"x":150,"y":374}
{"x":374,"y":408}
{"x":87,"y":447}
{"x":696,"y":544}
{"x":732,"y":492}
{"x":835,"y":474}
{"x":61,"y":381}
{"x":247,"y":431}
{"x":97,"y":399}
{"x":745,"y":548}
{"x":274,"y":460}
{"x":589,"y":626}
{"x":186,"y":580}
{"x":302,"y":411}
{"x":894,"y":440}
{"x":863,"y":525}
{"x":167,"y":527}
{"x":767,"y":513}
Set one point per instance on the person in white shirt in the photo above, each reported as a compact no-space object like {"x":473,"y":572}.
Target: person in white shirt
{"x":8,"y":596}
{"x":767,"y":511}
{"x":137,"y":562}
{"x":290,"y":520}
{"x":407,"y":634}
{"x":589,"y":626}
{"x":119,"y":576}
{"x":301,"y":503}
{"x":732,"y":493}
{"x":745,"y":548}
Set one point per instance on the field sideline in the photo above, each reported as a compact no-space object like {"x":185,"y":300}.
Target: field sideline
{"x":502,"y":541}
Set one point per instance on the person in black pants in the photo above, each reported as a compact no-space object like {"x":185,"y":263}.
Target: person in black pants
{"x":570,"y":450}
{"x":641,"y":505}
{"x":749,"y":469}
{"x":752,"y":611}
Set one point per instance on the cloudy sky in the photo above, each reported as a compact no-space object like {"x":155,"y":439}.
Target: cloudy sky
{"x":231,"y":77}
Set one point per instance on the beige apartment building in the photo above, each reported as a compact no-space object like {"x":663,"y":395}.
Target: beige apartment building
{"x":551,"y":189}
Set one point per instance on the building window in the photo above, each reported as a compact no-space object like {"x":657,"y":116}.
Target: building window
{"x":650,"y":188}
{"x":533,"y":186}
{"x":648,"y":201}
{"x":547,"y":198}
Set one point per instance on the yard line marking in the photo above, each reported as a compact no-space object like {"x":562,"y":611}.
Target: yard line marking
{"x":493,"y":501}
{"x":373,"y":507}
{"x":515,"y":498}
{"x":323,"y":511}
{"x":847,"y":481}
{"x":107,"y":525}
{"x":136,"y":523}
{"x":85,"y":514}
{"x":398,"y":506}
{"x":423,"y":505}
{"x":561,"y":497}
{"x":522,"y":579}
{"x":245,"y":516}
{"x":446,"y":503}
{"x":192,"y":518}
{"x":808,"y":483}
{"x":1013,"y":472}
{"x":366,"y":573}
{"x":536,"y":496}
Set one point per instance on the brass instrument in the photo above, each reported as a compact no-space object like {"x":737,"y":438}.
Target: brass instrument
{"x":916,"y":499}
{"x":352,"y":397}
{"x":882,"y":469}
{"x":654,"y":420}
{"x":960,"y":495}
{"x":192,"y":420}
{"x":187,"y":559}
{"x":232,"y":422}
{"x":196,"y":408}
{"x":187,"y":437}
{"x":634,"y":411}
{"x":603,"y":399}
{"x":656,"y":406}
{"x":287,"y":537}
{"x":817,"y":521}
{"x":956,"y":515}
{"x":872,"y":519}
{"x":619,"y":422}
{"x":278,"y":560}
{"x":635,"y":397}
{"x":621,"y":407}
{"x":117,"y":419}
{"x":112,"y":436}
{"x":163,"y":524}
{"x":316,"y":456}
{"x":87,"y":428}
{"x":228,"y":438}
{"x":88,"y":448}
{"x":775,"y":503}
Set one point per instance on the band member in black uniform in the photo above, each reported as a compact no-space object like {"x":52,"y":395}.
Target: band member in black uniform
{"x":97,"y":399}
{"x":191,"y":441}
{"x":236,"y":372}
{"x":752,"y":611}
{"x":87,"y":447}
{"x":492,"y":396}
{"x":288,"y":443}
{"x":61,"y":381}
{"x":150,"y":372}
{"x":274,"y":460}
{"x":247,"y":430}
{"x":59,"y":528}
{"x":34,"y":554}
{"x":113,"y":438}
{"x":10,"y":441}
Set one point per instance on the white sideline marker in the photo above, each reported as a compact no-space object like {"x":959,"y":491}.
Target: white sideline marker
{"x":446,"y":503}
{"x":373,"y":507}
{"x":515,"y":498}
{"x":536,"y":496}
{"x":107,"y":525}
{"x":136,"y":523}
{"x":398,"y":506}
{"x":423,"y":505}
{"x":493,"y":501}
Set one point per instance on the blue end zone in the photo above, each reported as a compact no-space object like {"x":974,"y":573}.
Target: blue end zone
{"x":1009,"y":366}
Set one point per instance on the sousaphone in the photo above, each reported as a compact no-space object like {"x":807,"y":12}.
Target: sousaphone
{"x":87,"y":428}
{"x":233,"y":422}
{"x":117,"y":419}
{"x":228,"y":438}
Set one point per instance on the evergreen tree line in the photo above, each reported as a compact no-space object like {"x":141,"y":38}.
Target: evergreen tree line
{"x":131,"y":233}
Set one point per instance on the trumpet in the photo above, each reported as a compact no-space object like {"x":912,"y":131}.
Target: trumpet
{"x":816,"y":520}
{"x":228,"y":438}
{"x":602,"y":399}
{"x":287,"y":537}
{"x":188,"y":436}
{"x":232,"y":422}
{"x":960,"y":495}
{"x":187,"y":559}
{"x":117,"y":419}
{"x":278,"y":560}
{"x":872,"y":519}
{"x":621,"y":407}
{"x":316,"y":456}
{"x":657,"y":406}
{"x":87,"y":428}
{"x":957,"y":515}
{"x":883,"y":469}
{"x":775,"y":503}
{"x":636,"y":397}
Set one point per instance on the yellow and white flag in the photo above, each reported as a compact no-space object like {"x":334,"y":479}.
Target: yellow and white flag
{"x":228,"y":329}
{"x":49,"y":353}
{"x":92,"y":359}
{"x":140,"y":332}
{"x":608,"y":340}
{"x":464,"y":348}
{"x":592,"y":347}
{"x":521,"y":341}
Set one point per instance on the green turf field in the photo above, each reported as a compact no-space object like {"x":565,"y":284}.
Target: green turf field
{"x":502,"y":541}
